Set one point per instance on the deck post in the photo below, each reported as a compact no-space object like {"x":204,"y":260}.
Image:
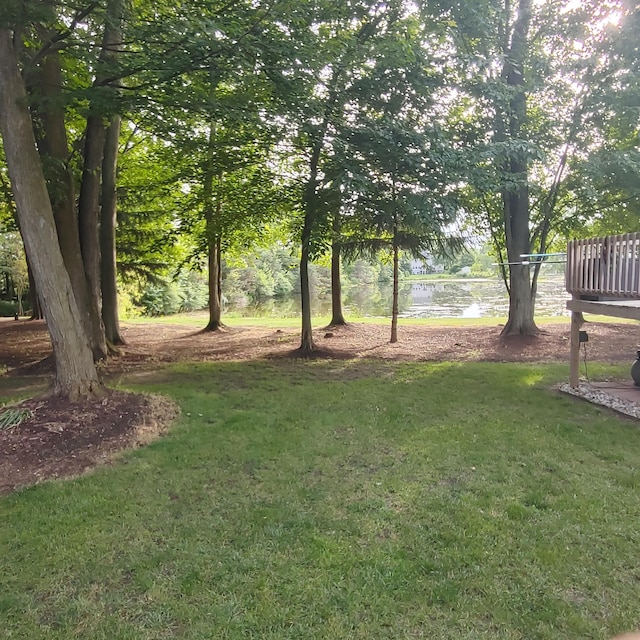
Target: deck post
{"x":574,"y":363}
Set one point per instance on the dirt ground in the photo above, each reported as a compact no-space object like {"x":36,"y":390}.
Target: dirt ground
{"x":56,"y":439}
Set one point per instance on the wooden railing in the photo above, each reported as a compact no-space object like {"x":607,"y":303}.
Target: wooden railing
{"x":607,"y":266}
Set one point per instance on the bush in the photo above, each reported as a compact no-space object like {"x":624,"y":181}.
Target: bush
{"x":126,"y":306}
{"x":8,"y":308}
{"x":160,"y":299}
{"x":193,"y":290}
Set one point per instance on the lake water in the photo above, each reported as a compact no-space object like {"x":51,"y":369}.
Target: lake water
{"x":428,"y":299}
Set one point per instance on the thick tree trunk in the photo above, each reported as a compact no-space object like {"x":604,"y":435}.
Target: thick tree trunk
{"x":108,"y":223}
{"x":337,"y":316}
{"x":88,"y":217}
{"x":89,"y":197}
{"x":394,"y":304}
{"x":306,"y":342}
{"x":516,"y":212}
{"x":52,"y":143}
{"x":306,"y":339}
{"x":521,"y":307}
{"x":215,"y":306}
{"x":76,"y":374}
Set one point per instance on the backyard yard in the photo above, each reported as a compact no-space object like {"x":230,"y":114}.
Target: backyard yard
{"x":439,"y":488}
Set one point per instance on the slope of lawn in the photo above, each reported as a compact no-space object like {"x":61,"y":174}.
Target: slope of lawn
{"x":357,"y":500}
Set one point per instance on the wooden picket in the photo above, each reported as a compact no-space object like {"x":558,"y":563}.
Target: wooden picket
{"x":607,"y":266}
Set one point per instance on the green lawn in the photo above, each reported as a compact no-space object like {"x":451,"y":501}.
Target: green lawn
{"x":365,"y":500}
{"x":200,"y":319}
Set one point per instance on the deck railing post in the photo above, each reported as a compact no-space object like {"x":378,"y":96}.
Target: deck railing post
{"x":604,"y":266}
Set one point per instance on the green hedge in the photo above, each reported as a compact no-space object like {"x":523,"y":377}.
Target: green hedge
{"x":8,"y":308}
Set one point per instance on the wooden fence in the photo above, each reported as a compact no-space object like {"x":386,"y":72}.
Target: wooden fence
{"x":607,"y":267}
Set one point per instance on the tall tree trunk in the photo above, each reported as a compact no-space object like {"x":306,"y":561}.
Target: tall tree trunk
{"x":521,"y":309}
{"x":212,"y":216}
{"x":337,"y":317}
{"x":310,"y":213}
{"x":20,"y":309}
{"x":94,"y":147}
{"x":219,"y":252}
{"x":215,"y":306}
{"x":108,"y":223}
{"x":76,"y":374}
{"x":516,"y":212}
{"x":88,"y":217}
{"x":46,"y":85}
{"x":306,"y":341}
{"x":394,"y":304}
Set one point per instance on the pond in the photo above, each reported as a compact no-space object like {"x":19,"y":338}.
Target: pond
{"x":419,"y":299}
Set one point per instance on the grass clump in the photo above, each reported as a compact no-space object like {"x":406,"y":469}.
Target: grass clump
{"x":340,"y":500}
{"x":12,"y":417}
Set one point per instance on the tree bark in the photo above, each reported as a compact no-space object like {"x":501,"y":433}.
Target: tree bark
{"x":337,"y":316}
{"x":306,"y":341}
{"x":516,"y":212}
{"x":88,"y":216}
{"x":89,"y":197}
{"x":394,"y":304}
{"x":214,"y":244}
{"x":108,"y":223}
{"x":215,"y":306}
{"x":76,"y":374}
{"x":46,"y":86}
{"x":310,"y":212}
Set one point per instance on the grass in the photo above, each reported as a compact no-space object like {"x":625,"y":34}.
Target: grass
{"x":298,"y":499}
{"x":200,"y":318}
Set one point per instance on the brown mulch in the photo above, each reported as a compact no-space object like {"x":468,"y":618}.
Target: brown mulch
{"x":62,"y":439}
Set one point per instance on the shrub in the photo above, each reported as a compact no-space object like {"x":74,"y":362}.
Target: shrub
{"x":8,"y":308}
{"x":193,"y":290}
{"x":160,"y":299}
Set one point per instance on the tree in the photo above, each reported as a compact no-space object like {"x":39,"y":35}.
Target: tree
{"x":403,"y":202}
{"x":526,"y":79}
{"x":604,"y":188}
{"x":238,"y":200}
{"x":76,"y":374}
{"x":334,"y":46}
{"x":13,"y":265}
{"x":387,"y":173}
{"x":66,"y":104}
{"x":510,"y":122}
{"x":108,"y":223}
{"x":337,"y":315}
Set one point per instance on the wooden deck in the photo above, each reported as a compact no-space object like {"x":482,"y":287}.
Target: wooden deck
{"x":629,"y":309}
{"x":603,"y":277}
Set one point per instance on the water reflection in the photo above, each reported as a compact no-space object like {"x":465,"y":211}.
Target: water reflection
{"x":432,"y":299}
{"x":478,"y":299}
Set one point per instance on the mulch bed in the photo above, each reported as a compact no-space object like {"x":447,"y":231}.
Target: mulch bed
{"x":60,"y":439}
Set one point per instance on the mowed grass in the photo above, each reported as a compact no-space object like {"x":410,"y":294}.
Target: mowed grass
{"x":302,"y":499}
{"x":200,"y":319}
